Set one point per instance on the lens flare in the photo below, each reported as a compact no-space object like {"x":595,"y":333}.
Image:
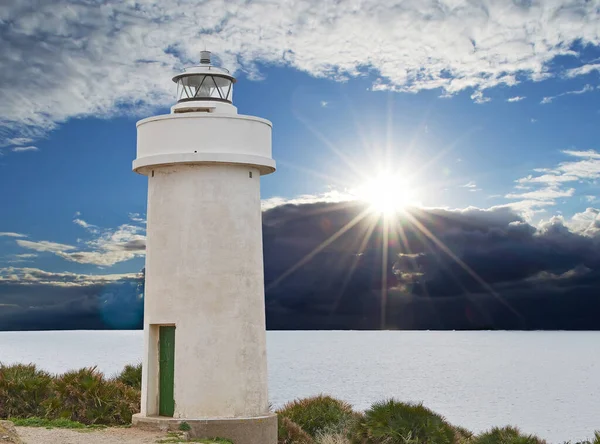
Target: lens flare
{"x":388,"y":194}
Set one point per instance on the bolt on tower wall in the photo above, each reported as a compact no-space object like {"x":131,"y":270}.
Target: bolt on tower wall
{"x":204,"y":314}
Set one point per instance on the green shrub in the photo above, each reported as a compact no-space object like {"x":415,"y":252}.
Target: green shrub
{"x":86,"y":396}
{"x":506,"y":435}
{"x":318,"y":413}
{"x":288,"y":432}
{"x":393,"y":422}
{"x":131,"y":375}
{"x":463,"y":436}
{"x":23,"y":388}
{"x":333,"y":438}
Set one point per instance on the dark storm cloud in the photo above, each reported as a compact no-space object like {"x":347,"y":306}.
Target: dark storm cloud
{"x":52,"y":305}
{"x":444,"y":269}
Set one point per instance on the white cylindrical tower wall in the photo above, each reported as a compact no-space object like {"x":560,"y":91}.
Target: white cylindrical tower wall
{"x":204,"y":269}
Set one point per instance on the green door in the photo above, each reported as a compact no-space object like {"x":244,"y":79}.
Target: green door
{"x":166,"y":372}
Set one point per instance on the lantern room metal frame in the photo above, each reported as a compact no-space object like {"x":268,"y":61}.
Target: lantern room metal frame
{"x":203,"y":86}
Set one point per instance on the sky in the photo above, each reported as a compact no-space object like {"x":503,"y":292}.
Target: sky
{"x":438,"y":161}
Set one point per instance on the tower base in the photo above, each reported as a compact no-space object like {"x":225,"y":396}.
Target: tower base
{"x":257,"y":430}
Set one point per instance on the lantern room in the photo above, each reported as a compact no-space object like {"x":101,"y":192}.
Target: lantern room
{"x":199,"y":87}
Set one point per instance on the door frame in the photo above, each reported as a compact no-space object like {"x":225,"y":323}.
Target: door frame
{"x":152,"y":377}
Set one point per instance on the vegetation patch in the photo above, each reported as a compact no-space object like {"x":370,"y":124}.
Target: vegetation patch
{"x":317,"y":414}
{"x":83,"y":396}
{"x":333,"y":438}
{"x":506,"y":435}
{"x":288,"y":432}
{"x":23,"y":389}
{"x":394,"y":422}
{"x":84,"y":399}
{"x":86,"y":396}
{"x":131,"y":375}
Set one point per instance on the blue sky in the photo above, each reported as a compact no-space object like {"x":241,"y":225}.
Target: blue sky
{"x":484,"y":104}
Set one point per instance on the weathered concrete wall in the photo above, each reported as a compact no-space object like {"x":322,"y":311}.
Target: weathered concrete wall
{"x":204,"y":274}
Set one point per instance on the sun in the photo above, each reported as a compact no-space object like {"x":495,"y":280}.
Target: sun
{"x":388,"y":193}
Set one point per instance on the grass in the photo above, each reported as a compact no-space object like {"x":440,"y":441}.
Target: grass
{"x":61,"y":423}
{"x":50,"y":423}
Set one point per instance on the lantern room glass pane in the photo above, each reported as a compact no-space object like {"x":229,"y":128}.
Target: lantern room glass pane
{"x":204,"y":87}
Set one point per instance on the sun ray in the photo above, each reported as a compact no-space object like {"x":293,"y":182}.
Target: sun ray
{"x":389,"y":143}
{"x":399,"y":231}
{"x":368,"y":232}
{"x":329,"y":178}
{"x":410,"y":147}
{"x":387,"y":194}
{"x":384,"y":275}
{"x":442,"y":152}
{"x":319,"y":248}
{"x":329,"y":144}
{"x":358,"y":120}
{"x":462,"y":264}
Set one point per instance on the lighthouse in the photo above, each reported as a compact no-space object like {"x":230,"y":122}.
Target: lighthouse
{"x":204,"y":359}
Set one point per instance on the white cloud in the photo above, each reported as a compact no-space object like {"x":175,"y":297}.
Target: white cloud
{"x":108,"y":247}
{"x":471,"y":186}
{"x":44,"y":246}
{"x":332,"y":196}
{"x":527,"y":208}
{"x":544,"y":194}
{"x":20,"y":149}
{"x":585,"y":167}
{"x":136,"y":217}
{"x":18,"y":141}
{"x":29,"y":276}
{"x":11,"y":234}
{"x":586,"y":223}
{"x":585,"y":89}
{"x":548,"y":179}
{"x":591,"y":154}
{"x":87,"y":226}
{"x":583,"y":70}
{"x":515,"y":99}
{"x":324,"y":104}
{"x":478,"y":97}
{"x":25,"y":257}
{"x":119,"y":57}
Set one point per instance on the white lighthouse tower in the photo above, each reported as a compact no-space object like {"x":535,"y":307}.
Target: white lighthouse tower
{"x":204,"y":314}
